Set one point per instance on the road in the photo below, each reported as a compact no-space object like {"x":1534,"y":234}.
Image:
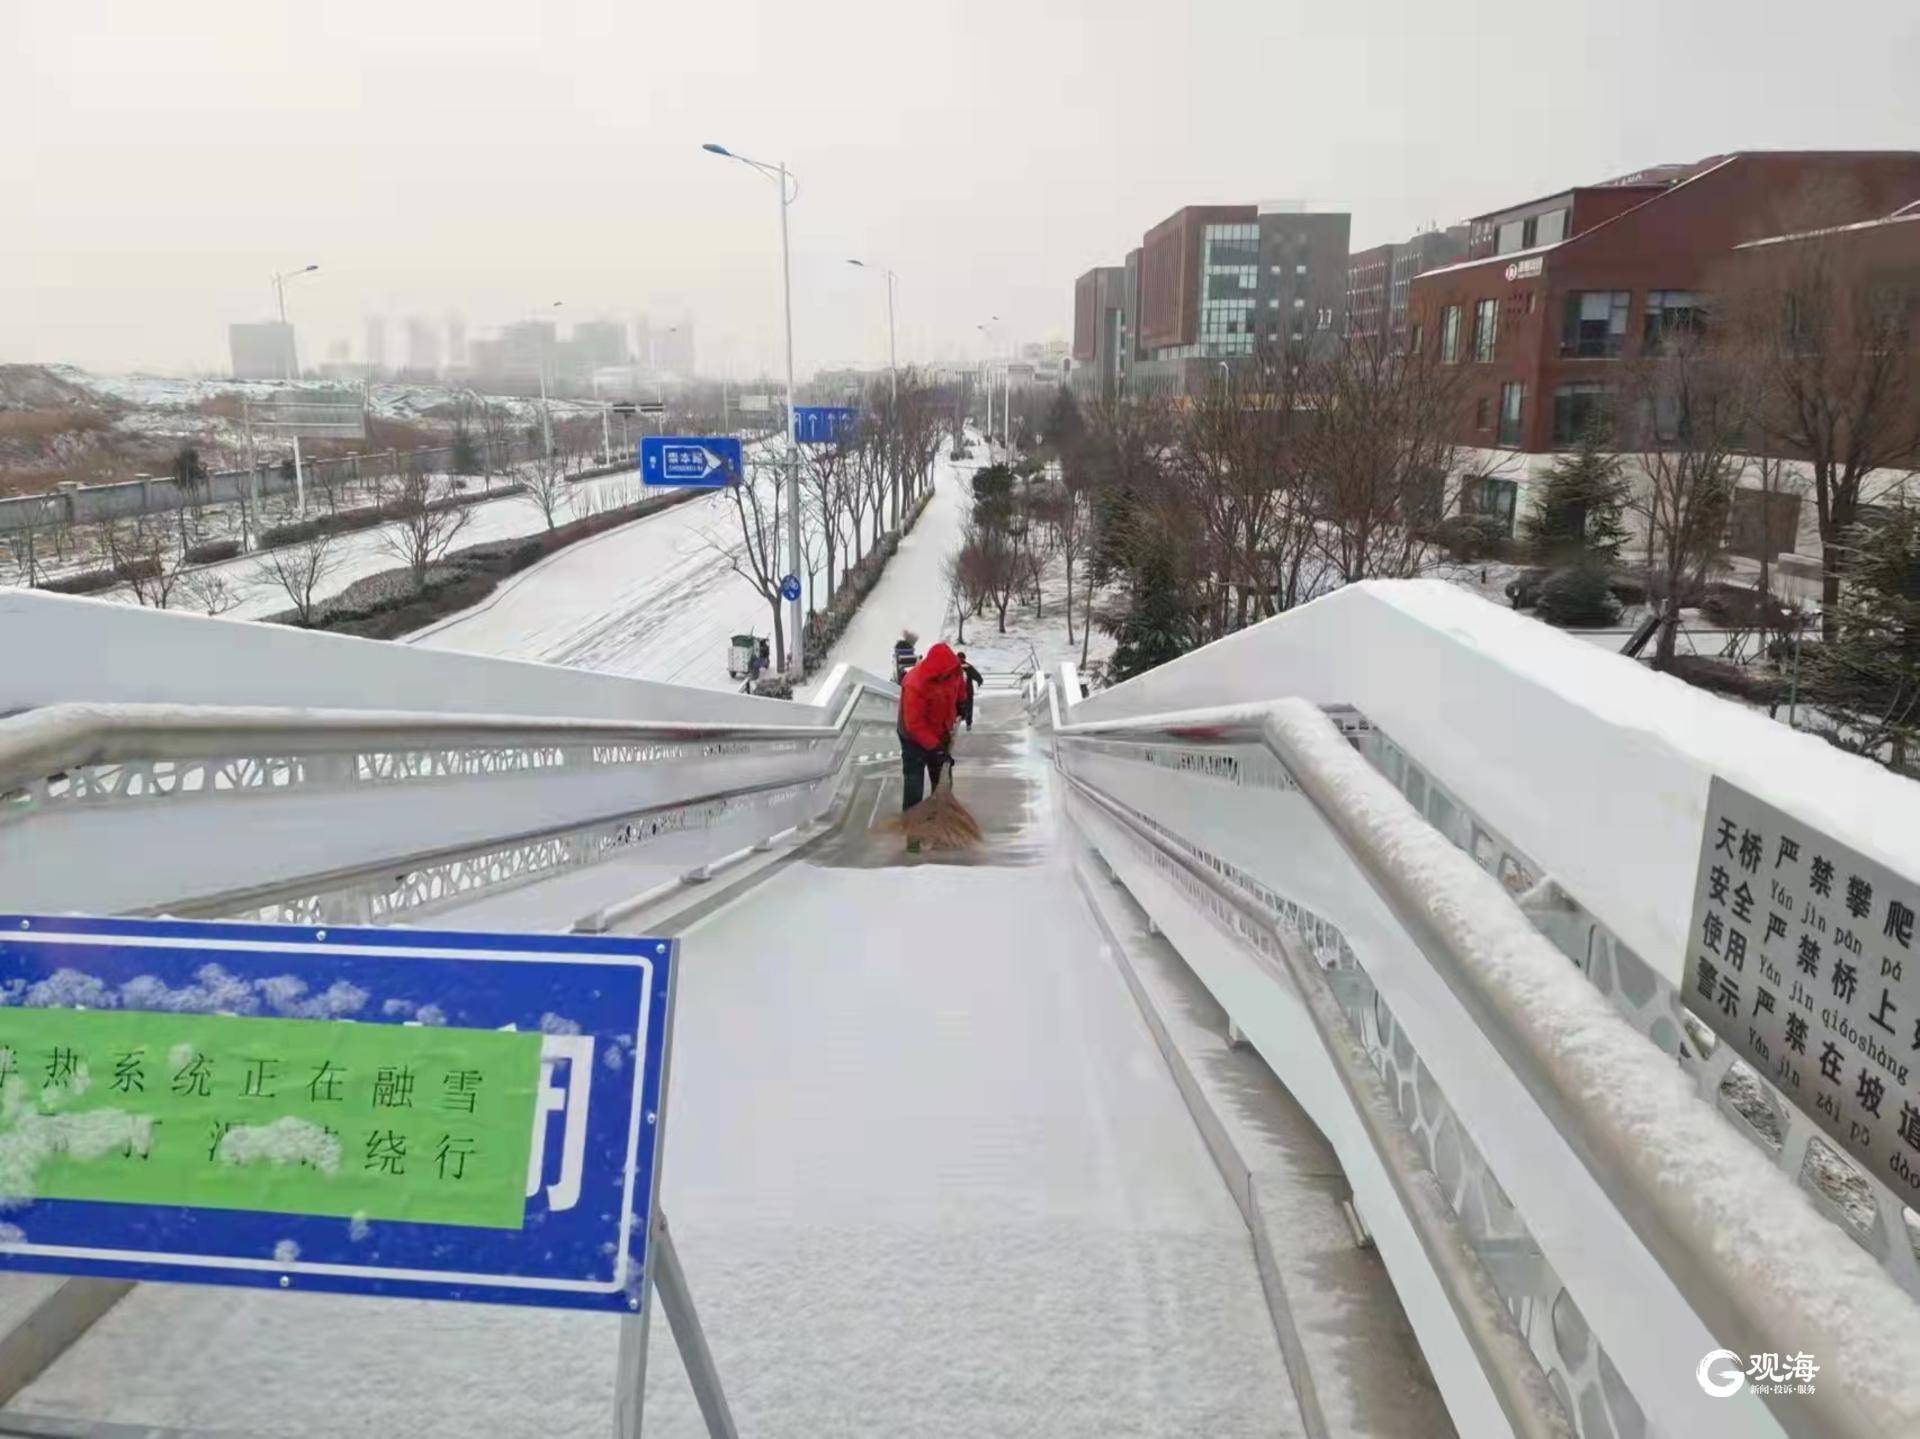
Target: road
{"x":658,"y":600}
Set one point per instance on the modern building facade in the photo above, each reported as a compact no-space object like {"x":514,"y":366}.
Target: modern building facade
{"x":1369,"y":278}
{"x":1380,"y":281}
{"x":1557,"y":293}
{"x":1101,"y":335}
{"x":1211,"y":285}
{"x":263,"y":351}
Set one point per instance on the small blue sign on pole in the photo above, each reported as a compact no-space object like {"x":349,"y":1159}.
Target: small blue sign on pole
{"x":401,"y":1112}
{"x":822,"y":424}
{"x":709,"y":462}
{"x":790,"y":588}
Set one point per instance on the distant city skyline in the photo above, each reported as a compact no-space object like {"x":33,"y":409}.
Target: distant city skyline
{"x":492,"y":157}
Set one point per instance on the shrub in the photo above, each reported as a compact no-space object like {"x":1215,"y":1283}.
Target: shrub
{"x":88,"y":582}
{"x":210,"y":551}
{"x":1468,"y":538}
{"x":1577,"y":595}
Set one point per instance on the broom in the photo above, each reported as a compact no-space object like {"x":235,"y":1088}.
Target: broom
{"x":940,"y":821}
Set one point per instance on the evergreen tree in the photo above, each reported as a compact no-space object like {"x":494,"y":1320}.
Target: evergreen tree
{"x":1865,"y":681}
{"x":1157,"y":625}
{"x":1576,"y":514}
{"x":466,"y":451}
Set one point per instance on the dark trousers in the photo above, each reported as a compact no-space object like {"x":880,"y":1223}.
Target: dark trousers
{"x":919,"y":766}
{"x":966,"y":709}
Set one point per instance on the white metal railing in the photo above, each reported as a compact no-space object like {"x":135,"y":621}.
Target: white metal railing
{"x":216,"y":804}
{"x":1626,"y":1227}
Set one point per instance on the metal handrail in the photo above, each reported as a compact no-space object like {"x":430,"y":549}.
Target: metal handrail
{"x":63,"y":736}
{"x":1850,"y":1304}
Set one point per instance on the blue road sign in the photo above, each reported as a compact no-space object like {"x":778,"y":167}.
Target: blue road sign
{"x":710,"y":462}
{"x":187,"y":1102}
{"x":790,"y":587}
{"x":821,"y":424}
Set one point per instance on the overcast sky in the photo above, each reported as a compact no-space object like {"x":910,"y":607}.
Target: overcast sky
{"x":162,"y":160}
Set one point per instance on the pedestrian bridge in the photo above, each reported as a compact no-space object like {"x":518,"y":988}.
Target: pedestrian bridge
{"x":1304,"y":1054}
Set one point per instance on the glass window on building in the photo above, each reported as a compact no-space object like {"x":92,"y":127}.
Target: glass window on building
{"x":1670,"y":313}
{"x":1578,"y":407}
{"x":1594,"y":324}
{"x":1513,"y":395}
{"x":1509,"y":237}
{"x":1551,"y":229}
{"x":1486,"y":329}
{"x":1490,"y":498}
{"x":1450,"y":335}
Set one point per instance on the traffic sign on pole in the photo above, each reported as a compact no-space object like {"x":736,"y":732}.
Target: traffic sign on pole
{"x":822,"y":424}
{"x":700,"y":462}
{"x":790,"y":588}
{"x":397,"y":1112}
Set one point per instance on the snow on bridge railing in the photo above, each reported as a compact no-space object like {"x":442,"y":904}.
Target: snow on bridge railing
{"x":1627,"y":1226}
{"x":229,"y":800}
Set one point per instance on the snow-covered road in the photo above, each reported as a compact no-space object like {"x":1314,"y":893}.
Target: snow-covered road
{"x":657,"y":600}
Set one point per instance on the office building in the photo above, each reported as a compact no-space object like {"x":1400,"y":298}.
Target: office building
{"x":423,"y":347}
{"x":1213,"y":285}
{"x":1101,"y":338}
{"x":263,"y":351}
{"x":1379,"y":281}
{"x":376,"y":342}
{"x":1558,"y":292}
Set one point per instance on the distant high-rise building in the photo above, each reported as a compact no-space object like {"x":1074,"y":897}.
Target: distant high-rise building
{"x":376,"y":355}
{"x":263,"y":351}
{"x":456,"y":338}
{"x":673,"y":348}
{"x":600,"y":342}
{"x":423,"y":346}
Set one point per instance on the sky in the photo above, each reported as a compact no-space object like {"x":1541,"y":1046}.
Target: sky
{"x":491,"y":158}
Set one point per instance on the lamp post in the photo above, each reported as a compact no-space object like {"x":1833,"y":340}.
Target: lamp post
{"x":780,"y":175}
{"x":546,"y":417}
{"x":893,"y":380}
{"x":280,"y":296}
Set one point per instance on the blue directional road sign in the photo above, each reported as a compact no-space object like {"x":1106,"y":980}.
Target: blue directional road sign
{"x":790,"y":587}
{"x":821,"y":424}
{"x":401,"y":1112}
{"x":709,"y":462}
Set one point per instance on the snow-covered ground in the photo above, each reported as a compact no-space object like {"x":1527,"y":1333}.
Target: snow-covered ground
{"x":913,"y":594}
{"x":366,"y":552}
{"x":660,"y":600}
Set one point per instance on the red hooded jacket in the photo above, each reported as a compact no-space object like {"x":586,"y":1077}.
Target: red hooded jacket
{"x":930,"y":698}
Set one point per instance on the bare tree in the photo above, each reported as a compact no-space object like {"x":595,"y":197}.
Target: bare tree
{"x":144,"y":553}
{"x":545,"y":486}
{"x":1688,"y":407}
{"x":1832,"y":344}
{"x":823,"y":483}
{"x":300,"y":569}
{"x":423,"y":528}
{"x":758,"y":502}
{"x":1381,"y":454}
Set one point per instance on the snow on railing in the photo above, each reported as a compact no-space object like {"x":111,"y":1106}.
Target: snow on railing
{"x":1627,"y":1226}
{"x":350,"y":813}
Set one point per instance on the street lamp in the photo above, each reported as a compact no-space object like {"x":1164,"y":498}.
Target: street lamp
{"x":546,"y":418}
{"x":780,"y":175}
{"x":987,"y":330}
{"x":893,"y":369}
{"x":893,"y":375}
{"x":280,"y":296}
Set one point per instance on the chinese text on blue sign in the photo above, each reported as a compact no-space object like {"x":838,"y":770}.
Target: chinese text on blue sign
{"x":386,"y":1111}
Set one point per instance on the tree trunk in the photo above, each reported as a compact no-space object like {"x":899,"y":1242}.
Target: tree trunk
{"x":1069,"y":561}
{"x":1664,"y":647}
{"x":1830,"y":562}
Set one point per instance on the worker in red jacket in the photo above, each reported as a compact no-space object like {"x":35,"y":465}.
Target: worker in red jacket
{"x":929,"y":704}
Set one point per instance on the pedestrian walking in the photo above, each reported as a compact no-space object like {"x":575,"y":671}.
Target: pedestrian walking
{"x":906,"y":654}
{"x":971,"y":677}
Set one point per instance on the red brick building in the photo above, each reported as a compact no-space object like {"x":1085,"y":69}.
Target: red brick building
{"x":1558,"y":291}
